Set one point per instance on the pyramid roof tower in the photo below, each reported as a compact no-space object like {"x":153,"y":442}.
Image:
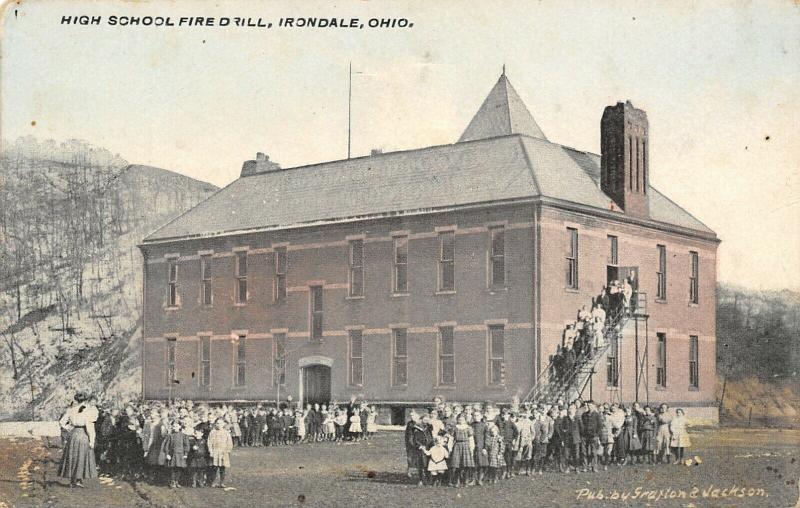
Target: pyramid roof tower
{"x":502,"y":113}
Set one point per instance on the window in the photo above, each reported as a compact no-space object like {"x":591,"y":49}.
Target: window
{"x":279,"y":369}
{"x":171,"y":373}
{"x":694,"y":296}
{"x":205,"y":361}
{"x":401,"y":264}
{"x":613,"y":250}
{"x":447,"y":253}
{"x":447,"y":365}
{"x":280,"y":274}
{"x":497,"y":256}
{"x":205,"y":279}
{"x":661,"y":359}
{"x":694,"y":358}
{"x":661,"y":290}
{"x":172,"y":284}
{"x":241,"y":360}
{"x":496,"y":355}
{"x":357,"y":268}
{"x":316,"y":312}
{"x":572,"y":258}
{"x":399,"y":357}
{"x":612,"y":363}
{"x":241,"y":277}
{"x":356,"y":357}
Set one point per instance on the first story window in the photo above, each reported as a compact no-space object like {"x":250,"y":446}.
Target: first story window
{"x":399,"y":357}
{"x":694,"y":365}
{"x":315,"y":294}
{"x":612,"y":363}
{"x":447,"y":366}
{"x":572,"y":259}
{"x":356,"y":357}
{"x":205,"y":361}
{"x":496,"y":355}
{"x":172,"y":284}
{"x":241,"y":361}
{"x":279,"y":354}
{"x":661,"y":360}
{"x":171,"y":373}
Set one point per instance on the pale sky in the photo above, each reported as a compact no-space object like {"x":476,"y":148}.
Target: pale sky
{"x":720,"y":83}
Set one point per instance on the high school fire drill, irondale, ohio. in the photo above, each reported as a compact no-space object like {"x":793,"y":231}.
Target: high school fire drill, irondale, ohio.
{"x":502,"y":268}
{"x":236,"y":21}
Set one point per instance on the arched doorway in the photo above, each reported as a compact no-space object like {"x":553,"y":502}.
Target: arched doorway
{"x":315,"y":379}
{"x":316,"y":384}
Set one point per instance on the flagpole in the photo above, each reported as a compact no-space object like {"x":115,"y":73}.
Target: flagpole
{"x":349,"y":107}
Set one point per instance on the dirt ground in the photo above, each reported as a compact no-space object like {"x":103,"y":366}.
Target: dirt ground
{"x":740,"y":467}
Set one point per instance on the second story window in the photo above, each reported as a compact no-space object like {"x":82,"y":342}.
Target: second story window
{"x":172,"y":284}
{"x":447,"y":254}
{"x":613,"y":251}
{"x":357,"y":268}
{"x":694,"y":284}
{"x":315,"y":295}
{"x":661,"y":275}
{"x":205,"y":279}
{"x":280,"y":273}
{"x":497,"y":257}
{"x":694,"y":362}
{"x":572,"y":259}
{"x":401,"y":264}
{"x":241,"y":277}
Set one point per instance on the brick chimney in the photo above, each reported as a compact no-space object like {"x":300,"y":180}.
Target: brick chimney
{"x":624,"y":165}
{"x":261,"y":164}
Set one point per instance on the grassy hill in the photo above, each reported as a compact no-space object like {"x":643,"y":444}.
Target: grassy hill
{"x":70,"y":272}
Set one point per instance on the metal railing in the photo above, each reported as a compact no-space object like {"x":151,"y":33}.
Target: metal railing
{"x":546,"y":387}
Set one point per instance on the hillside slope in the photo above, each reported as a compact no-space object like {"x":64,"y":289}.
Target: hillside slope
{"x":70,"y":285}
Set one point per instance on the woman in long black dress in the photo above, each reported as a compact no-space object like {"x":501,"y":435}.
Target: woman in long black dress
{"x":78,"y":462}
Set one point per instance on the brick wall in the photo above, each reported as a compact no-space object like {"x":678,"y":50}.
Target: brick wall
{"x":675,"y":316}
{"x":320,"y":256}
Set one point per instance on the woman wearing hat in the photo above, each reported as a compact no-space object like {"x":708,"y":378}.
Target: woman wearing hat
{"x":78,"y":462}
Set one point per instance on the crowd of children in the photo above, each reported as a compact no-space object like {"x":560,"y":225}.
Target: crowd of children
{"x":187,"y":444}
{"x":473,"y":444}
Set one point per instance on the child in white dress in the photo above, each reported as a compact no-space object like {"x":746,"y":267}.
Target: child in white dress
{"x":437,"y":459}
{"x":355,"y":426}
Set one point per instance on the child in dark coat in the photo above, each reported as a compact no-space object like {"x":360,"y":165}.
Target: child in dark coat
{"x":175,"y":451}
{"x":198,"y":458}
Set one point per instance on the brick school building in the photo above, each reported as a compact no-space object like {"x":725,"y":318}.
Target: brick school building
{"x":443,"y":271}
